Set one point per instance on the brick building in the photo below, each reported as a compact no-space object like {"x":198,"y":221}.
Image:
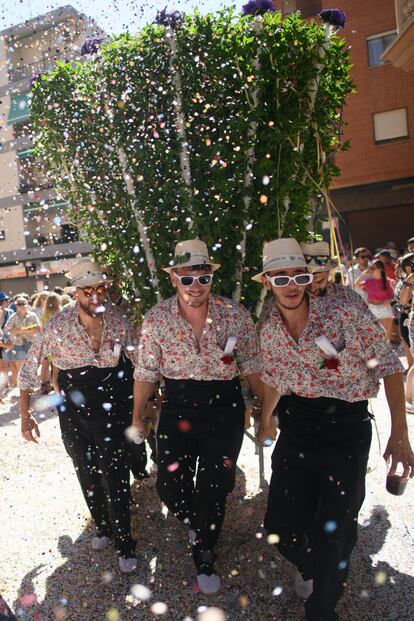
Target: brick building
{"x":37,"y":241}
{"x":375,"y":192}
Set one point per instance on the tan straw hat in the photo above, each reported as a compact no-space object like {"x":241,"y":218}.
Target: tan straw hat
{"x":86,"y":273}
{"x":318,"y":249}
{"x":282,"y":253}
{"x":191,"y":252}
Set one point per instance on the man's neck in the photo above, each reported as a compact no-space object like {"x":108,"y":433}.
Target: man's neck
{"x":297,"y":318}
{"x":193,"y":313}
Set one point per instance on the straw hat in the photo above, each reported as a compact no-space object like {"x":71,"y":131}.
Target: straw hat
{"x":318,"y":249}
{"x":280,"y":254}
{"x":190,"y":252}
{"x":86,"y":273}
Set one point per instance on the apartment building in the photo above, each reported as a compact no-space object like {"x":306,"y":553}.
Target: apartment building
{"x":375,"y":192}
{"x":37,"y":241}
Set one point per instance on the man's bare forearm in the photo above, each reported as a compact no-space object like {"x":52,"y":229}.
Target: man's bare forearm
{"x":394,"y":391}
{"x":255,"y":385}
{"x":270,"y":397}
{"x":142,"y":392}
{"x":25,"y":403}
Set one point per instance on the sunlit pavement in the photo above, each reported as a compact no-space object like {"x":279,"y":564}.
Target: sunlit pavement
{"x":48,"y":570}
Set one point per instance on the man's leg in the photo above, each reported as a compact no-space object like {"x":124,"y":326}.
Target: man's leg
{"x":292,"y":503}
{"x":81,"y":450}
{"x":342,"y":473}
{"x":111,"y":456}
{"x":216,"y":475}
{"x":176,"y":461}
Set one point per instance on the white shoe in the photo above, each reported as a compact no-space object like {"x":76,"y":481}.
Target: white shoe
{"x":209,"y":585}
{"x":126,"y":565}
{"x":100,"y":543}
{"x":303,"y":588}
{"x":409,"y":407}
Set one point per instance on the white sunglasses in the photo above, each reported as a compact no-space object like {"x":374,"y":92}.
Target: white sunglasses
{"x":187,"y":281}
{"x":284,"y":281}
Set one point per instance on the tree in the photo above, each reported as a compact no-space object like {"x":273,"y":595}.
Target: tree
{"x":221,"y":126}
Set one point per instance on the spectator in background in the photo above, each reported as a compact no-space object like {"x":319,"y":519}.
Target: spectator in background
{"x":385,"y":256}
{"x":405,"y":267}
{"x":38,"y":304}
{"x":52,"y":306}
{"x":407,"y":299}
{"x":410,"y":244}
{"x":22,"y":326}
{"x":379,"y":294}
{"x":5,"y":314}
{"x":65,"y":299}
{"x":362,"y":257}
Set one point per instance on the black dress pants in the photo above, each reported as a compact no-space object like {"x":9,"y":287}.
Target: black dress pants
{"x":200,"y":434}
{"x":93,"y":419}
{"x":316,"y":490}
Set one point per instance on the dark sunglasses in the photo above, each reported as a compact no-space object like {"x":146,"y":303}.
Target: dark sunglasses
{"x":284,"y":281}
{"x":89,"y":291}
{"x":364,"y":256}
{"x":320,"y":259}
{"x":204,"y":279}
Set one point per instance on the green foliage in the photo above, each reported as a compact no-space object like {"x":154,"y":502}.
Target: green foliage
{"x":246,"y":97}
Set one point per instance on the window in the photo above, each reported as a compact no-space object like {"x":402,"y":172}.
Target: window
{"x":391,"y":125}
{"x":47,"y":224}
{"x":22,"y":129}
{"x":377,"y":44}
{"x":307,"y":8}
{"x":19,"y":108}
{"x":32,"y":173}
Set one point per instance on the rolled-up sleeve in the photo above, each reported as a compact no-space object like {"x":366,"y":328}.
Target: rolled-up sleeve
{"x":148,"y":362}
{"x":378,"y":352}
{"x":247,"y":354}
{"x":40,"y":348}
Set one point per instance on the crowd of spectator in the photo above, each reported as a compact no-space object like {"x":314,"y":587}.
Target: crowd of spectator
{"x":21,"y":318}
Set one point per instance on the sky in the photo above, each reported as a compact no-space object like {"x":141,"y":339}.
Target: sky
{"x":114,"y":17}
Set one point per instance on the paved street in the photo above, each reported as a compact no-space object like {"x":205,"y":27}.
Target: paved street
{"x":49,"y":572}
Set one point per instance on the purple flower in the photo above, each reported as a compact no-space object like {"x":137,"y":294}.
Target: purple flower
{"x":35,"y":77}
{"x":91,"y":46}
{"x":335,"y":17}
{"x":173,"y":19}
{"x":258,"y":7}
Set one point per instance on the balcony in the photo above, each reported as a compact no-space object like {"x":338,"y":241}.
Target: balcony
{"x":401,"y":51}
{"x":16,"y":74}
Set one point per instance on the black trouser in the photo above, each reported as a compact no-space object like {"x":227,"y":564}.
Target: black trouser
{"x":93,"y":419}
{"x":316,"y":490}
{"x":199,"y":422}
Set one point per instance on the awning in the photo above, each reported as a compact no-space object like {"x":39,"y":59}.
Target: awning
{"x":50,"y":205}
{"x":19,"y":108}
{"x":22,"y":155}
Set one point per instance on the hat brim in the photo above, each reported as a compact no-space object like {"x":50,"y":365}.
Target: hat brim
{"x":322,"y":268}
{"x":258,"y":277}
{"x":171,"y":268}
{"x":90,"y":282}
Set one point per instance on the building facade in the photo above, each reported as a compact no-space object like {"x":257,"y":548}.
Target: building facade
{"x":375,"y":191}
{"x":37,"y":241}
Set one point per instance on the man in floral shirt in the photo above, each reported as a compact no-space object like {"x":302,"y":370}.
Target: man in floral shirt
{"x":88,"y":341}
{"x":324,"y":361}
{"x":200,"y":344}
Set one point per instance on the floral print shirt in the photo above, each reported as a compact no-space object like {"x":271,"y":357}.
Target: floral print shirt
{"x":70,"y":347}
{"x":16,"y":322}
{"x":364,"y":355}
{"x":168,"y":346}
